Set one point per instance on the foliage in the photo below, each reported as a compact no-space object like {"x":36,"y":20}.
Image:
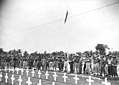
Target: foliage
{"x":102,"y":48}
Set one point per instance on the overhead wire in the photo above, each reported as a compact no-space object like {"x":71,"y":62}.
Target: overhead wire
{"x":94,"y":9}
{"x":54,"y":21}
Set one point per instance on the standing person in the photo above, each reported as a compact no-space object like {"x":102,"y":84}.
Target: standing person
{"x":71,"y":62}
{"x":43,"y":64}
{"x":25,"y":63}
{"x":34,"y":63}
{"x":80,"y":66}
{"x":106,"y":66}
{"x":83,"y":65}
{"x":92,"y":64}
{"x":96,"y":66}
{"x":3,"y":63}
{"x":15,"y":61}
{"x":8,"y":61}
{"x":114,"y":67}
{"x":47,"y":64}
{"x":103,"y":63}
{"x":60,"y":64}
{"x":30,"y":63}
{"x":39,"y":64}
{"x":88,"y":67}
{"x":55,"y":62}
{"x":109,"y":66}
{"x":66,"y":66}
{"x":76,"y":64}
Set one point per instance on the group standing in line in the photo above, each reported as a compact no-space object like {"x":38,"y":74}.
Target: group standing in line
{"x":99,"y":65}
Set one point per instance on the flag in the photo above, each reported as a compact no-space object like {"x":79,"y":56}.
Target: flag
{"x":66,"y":17}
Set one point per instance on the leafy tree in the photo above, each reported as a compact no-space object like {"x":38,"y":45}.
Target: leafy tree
{"x":101,"y":48}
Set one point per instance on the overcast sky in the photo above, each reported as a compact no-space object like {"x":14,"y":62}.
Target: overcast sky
{"x":38,"y":25}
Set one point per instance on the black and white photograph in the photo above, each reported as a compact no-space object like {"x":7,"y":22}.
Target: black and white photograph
{"x":59,"y":42}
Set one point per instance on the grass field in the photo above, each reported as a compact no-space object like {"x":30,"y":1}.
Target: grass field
{"x":59,"y":79}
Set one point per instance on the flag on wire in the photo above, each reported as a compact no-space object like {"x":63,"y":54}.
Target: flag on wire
{"x":66,"y":17}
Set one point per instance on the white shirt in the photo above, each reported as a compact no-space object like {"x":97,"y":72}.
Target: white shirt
{"x":109,"y":61}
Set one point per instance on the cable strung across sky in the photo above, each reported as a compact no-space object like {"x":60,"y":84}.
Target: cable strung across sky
{"x":75,"y":25}
{"x":66,"y":17}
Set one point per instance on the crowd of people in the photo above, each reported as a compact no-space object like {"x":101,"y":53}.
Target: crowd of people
{"x":90,"y":64}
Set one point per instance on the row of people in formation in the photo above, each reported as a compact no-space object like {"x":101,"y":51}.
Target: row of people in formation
{"x":92,"y":65}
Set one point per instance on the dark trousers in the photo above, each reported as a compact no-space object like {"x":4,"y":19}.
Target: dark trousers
{"x":47,"y":66}
{"x":39,"y":65}
{"x":110,"y":70}
{"x":103,"y":70}
{"x":71,"y":67}
{"x":15,"y":63}
{"x":84,"y":67}
{"x":60,"y":66}
{"x":80,"y":69}
{"x":114,"y":71}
